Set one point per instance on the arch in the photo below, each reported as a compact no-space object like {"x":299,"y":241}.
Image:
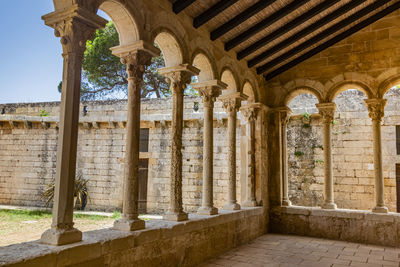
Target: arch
{"x":229,"y":78}
{"x":124,"y":22}
{"x":301,"y":90}
{"x":335,"y":90}
{"x":388,"y":80}
{"x":170,"y":47}
{"x":248,"y":90}
{"x":203,"y":63}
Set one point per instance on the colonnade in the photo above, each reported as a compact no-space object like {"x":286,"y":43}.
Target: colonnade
{"x":75,"y":29}
{"x":327,"y":112}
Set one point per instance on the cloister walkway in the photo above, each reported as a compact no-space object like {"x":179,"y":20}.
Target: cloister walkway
{"x":286,"y":250}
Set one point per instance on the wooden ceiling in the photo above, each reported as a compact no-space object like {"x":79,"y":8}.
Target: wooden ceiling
{"x":276,"y":35}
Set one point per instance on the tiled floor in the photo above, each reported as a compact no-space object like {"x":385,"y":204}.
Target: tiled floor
{"x":284,"y":250}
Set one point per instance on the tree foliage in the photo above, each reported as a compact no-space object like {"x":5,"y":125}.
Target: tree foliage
{"x":104,"y":76}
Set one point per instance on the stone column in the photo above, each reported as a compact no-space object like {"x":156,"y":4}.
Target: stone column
{"x":209,"y":91}
{"x":75,"y":26}
{"x":231,"y":103}
{"x":376,"y":110}
{"x":327,"y":111}
{"x":179,"y":77}
{"x":284,"y":116}
{"x":250,"y":113}
{"x":136,"y":58}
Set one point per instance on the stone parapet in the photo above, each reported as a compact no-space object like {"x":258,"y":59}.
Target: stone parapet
{"x":149,"y":247}
{"x":340,"y":224}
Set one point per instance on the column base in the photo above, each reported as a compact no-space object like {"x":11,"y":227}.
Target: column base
{"x":329,"y":206}
{"x":286,"y":203}
{"x":129,"y":225}
{"x":380,"y":209}
{"x":207,"y":211}
{"x":59,"y":237}
{"x":176,"y":217}
{"x":231,"y":206}
{"x":250,"y":203}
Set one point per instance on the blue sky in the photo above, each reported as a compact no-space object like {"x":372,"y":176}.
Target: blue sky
{"x":30,"y":54}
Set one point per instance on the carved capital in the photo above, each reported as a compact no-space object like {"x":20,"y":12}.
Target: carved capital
{"x":179,"y":76}
{"x":74,"y":26}
{"x":327,"y":111}
{"x":284,"y":115}
{"x":376,"y":108}
{"x":136,"y":63}
{"x":250,"y":112}
{"x":232,"y":102}
{"x":209,"y":91}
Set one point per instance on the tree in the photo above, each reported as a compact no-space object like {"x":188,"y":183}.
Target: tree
{"x":104,"y":76}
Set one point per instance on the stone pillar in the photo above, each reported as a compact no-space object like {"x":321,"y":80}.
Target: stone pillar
{"x":136,"y":58}
{"x":327,"y":111}
{"x":376,"y":112}
{"x":231,"y":103}
{"x":284,"y":116}
{"x":179,"y":77}
{"x":209,"y":91}
{"x":250,"y":112}
{"x":75,"y":26}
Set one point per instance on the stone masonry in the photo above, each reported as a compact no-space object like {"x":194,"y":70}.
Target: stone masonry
{"x":353,"y":169}
{"x":28,"y":152}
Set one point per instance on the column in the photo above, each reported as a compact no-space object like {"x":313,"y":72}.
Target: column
{"x":376,"y":108}
{"x":284,"y":116}
{"x":179,"y":77}
{"x":74,"y":29}
{"x":231,"y":104}
{"x":250,"y":112}
{"x":209,"y":91}
{"x":136,"y":58}
{"x":327,"y":111}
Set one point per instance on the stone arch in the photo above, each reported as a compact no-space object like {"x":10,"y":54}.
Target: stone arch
{"x":124,"y":21}
{"x":202,"y":61}
{"x":170,"y":47}
{"x":229,"y":78}
{"x":249,"y":91}
{"x":335,"y":90}
{"x":301,"y":90}
{"x":302,"y":86}
{"x":387,"y":80}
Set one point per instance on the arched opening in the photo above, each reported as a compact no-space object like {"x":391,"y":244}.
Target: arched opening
{"x":304,"y":150}
{"x":170,"y":48}
{"x":202,"y":62}
{"x":228,"y":78}
{"x":248,"y":90}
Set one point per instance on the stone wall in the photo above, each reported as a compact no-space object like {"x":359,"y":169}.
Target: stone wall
{"x":352,"y":152}
{"x":28,"y":144}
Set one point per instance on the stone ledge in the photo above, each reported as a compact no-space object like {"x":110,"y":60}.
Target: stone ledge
{"x":106,"y":244}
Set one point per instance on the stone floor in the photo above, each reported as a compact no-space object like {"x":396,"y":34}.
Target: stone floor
{"x":284,"y":250}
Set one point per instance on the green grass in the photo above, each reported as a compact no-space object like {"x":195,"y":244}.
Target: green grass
{"x":28,"y":215}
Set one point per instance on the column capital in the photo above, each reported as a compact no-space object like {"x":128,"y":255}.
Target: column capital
{"x":327,"y":111}
{"x":75,"y":25}
{"x":250,"y":111}
{"x":209,"y":90}
{"x":284,"y":114}
{"x":179,"y":76}
{"x":376,"y":108}
{"x":232,"y":101}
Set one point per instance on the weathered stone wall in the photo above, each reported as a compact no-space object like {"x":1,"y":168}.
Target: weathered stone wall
{"x":352,"y":152}
{"x":28,"y":146}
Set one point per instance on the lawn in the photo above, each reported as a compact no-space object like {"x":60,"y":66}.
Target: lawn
{"x":18,"y":226}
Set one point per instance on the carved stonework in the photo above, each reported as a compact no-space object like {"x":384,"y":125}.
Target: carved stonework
{"x":209,"y":95}
{"x":231,"y":104}
{"x":178,"y":80}
{"x":284,"y":115}
{"x":376,"y":108}
{"x":327,"y":111}
{"x":136,"y":63}
{"x":250,"y":113}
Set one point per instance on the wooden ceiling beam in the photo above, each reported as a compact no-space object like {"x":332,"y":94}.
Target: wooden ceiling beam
{"x":322,"y":35}
{"x":286,"y":28}
{"x":242,"y":17}
{"x":309,"y":29}
{"x":334,"y":40}
{"x":264,"y":23}
{"x":180,"y":5}
{"x":212,"y":12}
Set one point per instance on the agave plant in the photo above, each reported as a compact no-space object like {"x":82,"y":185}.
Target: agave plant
{"x":80,"y":192}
